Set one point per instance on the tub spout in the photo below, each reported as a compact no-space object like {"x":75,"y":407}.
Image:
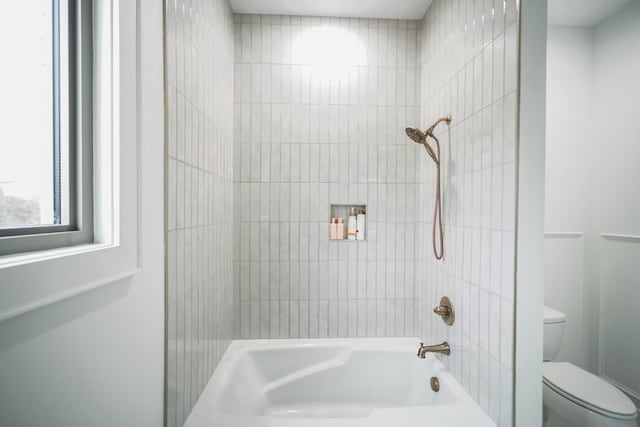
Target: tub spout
{"x":438,"y":348}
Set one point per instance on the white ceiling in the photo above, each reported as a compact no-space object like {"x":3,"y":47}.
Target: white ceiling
{"x":392,"y":9}
{"x":583,"y":12}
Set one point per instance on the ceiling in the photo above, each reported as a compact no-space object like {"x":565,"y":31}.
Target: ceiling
{"x":561,"y":12}
{"x":392,"y":9}
{"x":583,"y":12}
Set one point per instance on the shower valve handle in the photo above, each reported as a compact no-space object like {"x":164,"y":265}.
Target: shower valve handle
{"x":442,"y":310}
{"x":445,"y":311}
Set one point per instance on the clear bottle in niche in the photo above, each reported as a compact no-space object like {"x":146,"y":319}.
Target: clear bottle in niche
{"x":352,"y":225}
{"x":360,"y":225}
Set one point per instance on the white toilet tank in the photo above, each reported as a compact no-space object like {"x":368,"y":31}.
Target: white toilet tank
{"x":553,"y":333}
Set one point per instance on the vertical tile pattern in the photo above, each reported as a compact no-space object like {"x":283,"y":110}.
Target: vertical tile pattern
{"x":320,"y":110}
{"x":199,"y":60}
{"x":469,"y":69}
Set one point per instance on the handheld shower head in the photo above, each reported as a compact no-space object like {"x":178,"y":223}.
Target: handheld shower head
{"x":416,"y":135}
{"x":420,"y":137}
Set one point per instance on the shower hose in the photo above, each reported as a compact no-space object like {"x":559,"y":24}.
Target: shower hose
{"x":437,"y":232}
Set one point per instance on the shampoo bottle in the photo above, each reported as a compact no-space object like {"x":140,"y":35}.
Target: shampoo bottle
{"x":340,"y":229}
{"x":333,"y":229}
{"x":352,"y":225}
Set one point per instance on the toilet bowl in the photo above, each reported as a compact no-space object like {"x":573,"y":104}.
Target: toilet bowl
{"x":573,"y":397}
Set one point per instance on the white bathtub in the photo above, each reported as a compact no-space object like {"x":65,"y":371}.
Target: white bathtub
{"x":333,"y":383}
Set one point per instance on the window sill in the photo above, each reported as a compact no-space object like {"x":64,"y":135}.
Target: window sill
{"x":33,"y":280}
{"x":8,"y":261}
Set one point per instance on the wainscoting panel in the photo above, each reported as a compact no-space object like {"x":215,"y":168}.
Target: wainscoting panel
{"x":564,"y":290}
{"x":620,"y":311}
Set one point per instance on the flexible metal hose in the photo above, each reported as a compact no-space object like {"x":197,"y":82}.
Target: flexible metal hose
{"x":421,"y":138}
{"x":437,"y":210}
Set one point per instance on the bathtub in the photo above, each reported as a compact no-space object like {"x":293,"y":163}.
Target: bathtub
{"x":332,"y":382}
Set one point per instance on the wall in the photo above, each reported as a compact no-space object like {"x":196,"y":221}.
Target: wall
{"x":615,"y":193}
{"x":616,"y":65}
{"x":529,"y":292}
{"x":569,"y":112}
{"x":320,"y":107}
{"x":602,"y":260}
{"x":96,"y":358}
{"x":199,"y":48}
{"x":569,"y":163}
{"x":469,"y":70}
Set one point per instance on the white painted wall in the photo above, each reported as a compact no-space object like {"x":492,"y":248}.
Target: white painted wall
{"x":568,"y":177}
{"x":616,"y":192}
{"x":97,"y":359}
{"x":530,"y":215}
{"x":569,"y":111}
{"x":593,"y":182}
{"x":616,"y":139}
{"x":564,"y":290}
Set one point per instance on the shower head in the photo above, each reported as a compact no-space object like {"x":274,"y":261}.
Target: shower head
{"x":416,"y":135}
{"x":420,"y":137}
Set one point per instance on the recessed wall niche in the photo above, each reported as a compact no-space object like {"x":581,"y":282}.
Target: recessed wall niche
{"x":342,"y":211}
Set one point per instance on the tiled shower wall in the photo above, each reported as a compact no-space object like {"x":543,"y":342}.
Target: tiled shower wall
{"x":199,"y":59}
{"x":320,"y":110}
{"x":469,"y":70}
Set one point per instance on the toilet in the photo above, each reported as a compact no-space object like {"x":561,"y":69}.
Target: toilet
{"x":573,"y":397}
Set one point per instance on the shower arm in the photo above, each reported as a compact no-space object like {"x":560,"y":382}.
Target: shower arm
{"x":446,"y":119}
{"x":429,"y":133}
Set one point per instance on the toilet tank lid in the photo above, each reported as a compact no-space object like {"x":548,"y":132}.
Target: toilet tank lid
{"x":587,"y":389}
{"x":552,"y":316}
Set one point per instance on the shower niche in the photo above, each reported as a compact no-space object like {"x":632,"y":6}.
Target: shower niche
{"x":339,"y":211}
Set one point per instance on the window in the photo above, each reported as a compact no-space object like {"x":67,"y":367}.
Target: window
{"x":102,"y":87}
{"x":45,"y":125}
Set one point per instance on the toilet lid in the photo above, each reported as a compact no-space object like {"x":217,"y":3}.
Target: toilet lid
{"x":587,"y":390}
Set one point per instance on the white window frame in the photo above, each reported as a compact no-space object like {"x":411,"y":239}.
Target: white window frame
{"x":32,"y":280}
{"x":77,"y":23}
